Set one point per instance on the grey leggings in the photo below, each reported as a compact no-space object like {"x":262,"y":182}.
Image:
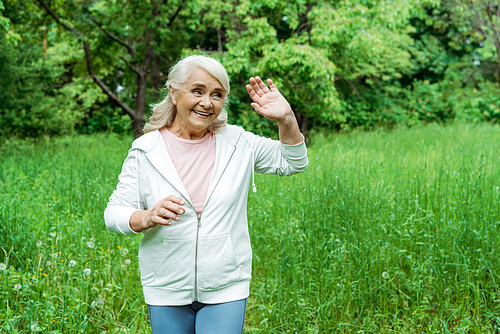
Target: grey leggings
{"x":198,"y":318}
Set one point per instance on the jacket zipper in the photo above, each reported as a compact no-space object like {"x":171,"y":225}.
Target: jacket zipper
{"x":196,"y":261}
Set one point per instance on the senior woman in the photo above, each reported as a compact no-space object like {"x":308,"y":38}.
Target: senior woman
{"x":184,"y":185}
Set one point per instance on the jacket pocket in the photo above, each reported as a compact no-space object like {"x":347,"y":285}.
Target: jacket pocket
{"x":170,"y":266}
{"x":217,"y":265}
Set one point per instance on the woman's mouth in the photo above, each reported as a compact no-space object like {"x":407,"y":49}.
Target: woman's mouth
{"x":204,"y":114}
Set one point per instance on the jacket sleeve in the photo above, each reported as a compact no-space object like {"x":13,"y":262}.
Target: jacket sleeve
{"x":274,"y":157}
{"x":124,"y":201}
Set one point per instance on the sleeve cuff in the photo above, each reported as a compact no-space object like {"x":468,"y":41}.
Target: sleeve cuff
{"x":295,"y":152}
{"x":119,"y":220}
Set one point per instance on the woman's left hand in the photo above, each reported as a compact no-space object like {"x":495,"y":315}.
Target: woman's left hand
{"x":268,"y":101}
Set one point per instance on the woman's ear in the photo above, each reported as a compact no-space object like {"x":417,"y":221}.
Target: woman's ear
{"x":172,"y":95}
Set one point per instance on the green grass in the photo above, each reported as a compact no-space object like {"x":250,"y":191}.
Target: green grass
{"x":386,"y":232}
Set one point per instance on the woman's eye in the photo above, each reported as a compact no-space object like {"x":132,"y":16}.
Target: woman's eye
{"x":218,"y":95}
{"x":197,"y":92}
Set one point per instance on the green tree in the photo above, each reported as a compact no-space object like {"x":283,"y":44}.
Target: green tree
{"x":341,"y":64}
{"x":10,"y":35}
{"x":480,"y":17}
{"x":32,"y":98}
{"x":270,"y":39}
{"x":455,"y":67}
{"x":125,"y":45}
{"x":324,"y":56}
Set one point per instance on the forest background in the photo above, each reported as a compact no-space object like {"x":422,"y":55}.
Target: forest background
{"x":92,"y":66}
{"x":400,"y":230}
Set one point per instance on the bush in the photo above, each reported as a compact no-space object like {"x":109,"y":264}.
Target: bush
{"x":481,"y":103}
{"x":31,"y":106}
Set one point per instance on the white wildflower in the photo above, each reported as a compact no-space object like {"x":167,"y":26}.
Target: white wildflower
{"x":90,"y":244}
{"x":39,"y":243}
{"x":52,"y":234}
{"x":97,"y":302}
{"x":124,"y":251}
{"x":127,"y":262}
{"x":72,"y":263}
{"x":87,"y":271}
{"x":385,"y":275}
{"x":49,"y":263}
{"x":35,"y":328}
{"x":54,"y":255}
{"x":3,"y":266}
{"x":18,"y":286}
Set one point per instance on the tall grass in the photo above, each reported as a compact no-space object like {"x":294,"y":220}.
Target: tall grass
{"x":64,"y":273}
{"x":386,"y":232}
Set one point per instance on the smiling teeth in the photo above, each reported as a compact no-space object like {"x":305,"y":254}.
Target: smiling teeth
{"x":201,"y":113}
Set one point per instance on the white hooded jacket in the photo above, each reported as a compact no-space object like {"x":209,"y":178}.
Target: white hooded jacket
{"x":206,"y":258}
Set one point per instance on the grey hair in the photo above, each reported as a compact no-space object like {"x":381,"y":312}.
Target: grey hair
{"x":165,"y":111}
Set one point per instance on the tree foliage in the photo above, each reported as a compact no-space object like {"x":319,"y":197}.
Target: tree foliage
{"x":99,"y":64}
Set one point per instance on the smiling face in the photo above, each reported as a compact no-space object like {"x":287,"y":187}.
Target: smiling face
{"x":199,"y":102}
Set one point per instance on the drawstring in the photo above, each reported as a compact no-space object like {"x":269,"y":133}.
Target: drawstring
{"x":254,"y":188}
{"x":137,"y":182}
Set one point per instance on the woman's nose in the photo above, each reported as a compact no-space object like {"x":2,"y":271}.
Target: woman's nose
{"x":206,"y":102}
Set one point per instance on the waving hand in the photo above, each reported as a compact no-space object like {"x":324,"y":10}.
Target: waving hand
{"x":268,"y":101}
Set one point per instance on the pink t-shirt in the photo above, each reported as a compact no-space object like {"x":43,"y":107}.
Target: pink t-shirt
{"x":194,"y":161}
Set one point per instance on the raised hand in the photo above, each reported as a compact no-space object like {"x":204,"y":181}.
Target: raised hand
{"x":268,"y":101}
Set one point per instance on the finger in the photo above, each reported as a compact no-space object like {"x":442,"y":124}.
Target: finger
{"x":168,"y":214}
{"x":253,"y":81}
{"x":254,"y":96}
{"x":173,"y":207}
{"x":257,"y":107}
{"x":174,"y":199}
{"x":250,"y":90}
{"x":256,"y":86}
{"x":157,"y":220}
{"x":272,"y":86}
{"x":163,"y":216}
{"x":263,"y":86}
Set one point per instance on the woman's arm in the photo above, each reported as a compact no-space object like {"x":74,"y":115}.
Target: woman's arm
{"x":271,"y":104}
{"x":123,"y":213}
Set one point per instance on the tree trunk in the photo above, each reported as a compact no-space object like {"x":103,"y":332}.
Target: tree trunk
{"x":219,"y":40}
{"x":155,"y":77}
{"x":44,"y":41}
{"x":137,"y":117}
{"x":140,"y":104}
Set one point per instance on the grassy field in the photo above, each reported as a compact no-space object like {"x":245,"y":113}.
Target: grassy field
{"x":386,"y":232}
